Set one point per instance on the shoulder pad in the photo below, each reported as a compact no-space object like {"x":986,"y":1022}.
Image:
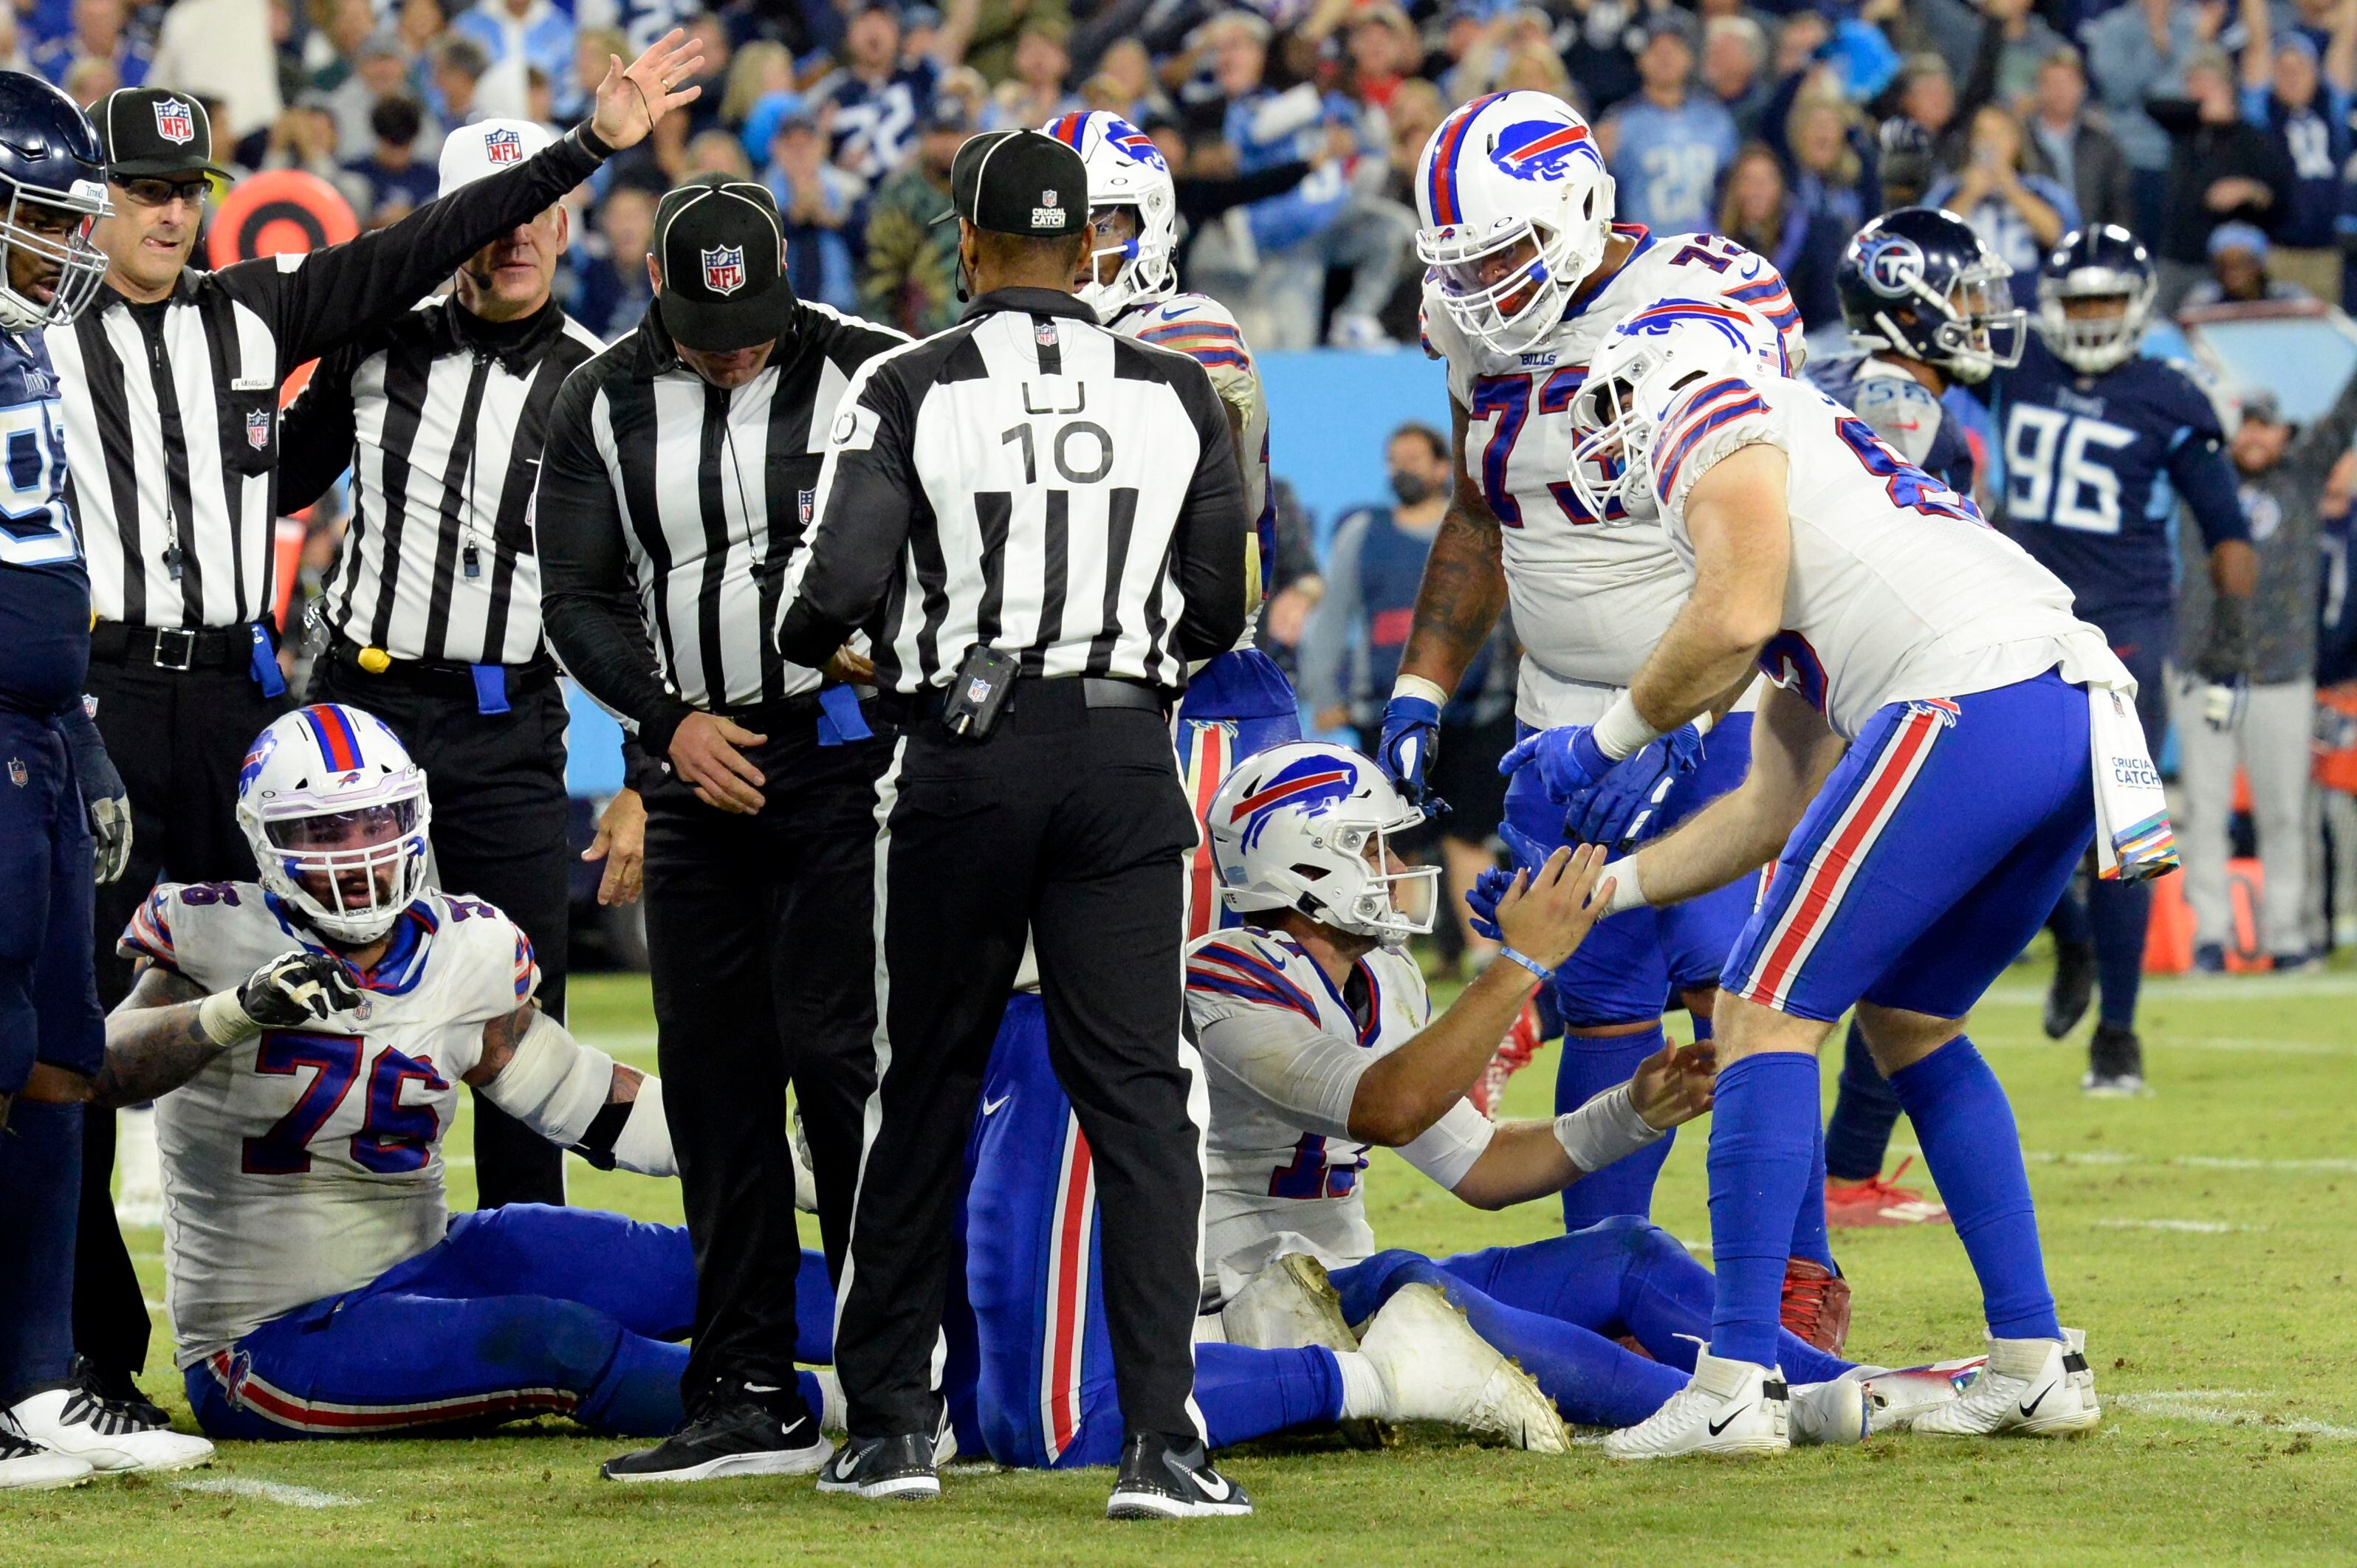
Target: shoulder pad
{"x":1246,"y":967}
{"x":1901,"y":410}
{"x":490,"y":963}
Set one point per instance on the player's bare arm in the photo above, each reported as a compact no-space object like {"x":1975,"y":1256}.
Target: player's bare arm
{"x":155,"y":1040}
{"x":1464,"y":587}
{"x":1743,"y":544}
{"x":502,"y":1035}
{"x":1530,"y":1160}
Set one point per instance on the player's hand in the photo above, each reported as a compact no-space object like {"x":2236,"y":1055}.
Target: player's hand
{"x":106,"y":801}
{"x":621,"y":843}
{"x":1620,"y":809}
{"x":1673,"y":1084}
{"x":706,"y":751}
{"x":1411,"y":735}
{"x":1545,"y":914}
{"x":633,"y":97}
{"x":298,"y":988}
{"x":1490,"y":886}
{"x":1567,"y":758}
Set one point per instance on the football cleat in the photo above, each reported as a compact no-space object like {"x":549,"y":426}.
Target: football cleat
{"x":1728,"y":1407}
{"x":104,"y":1435}
{"x":1160,"y":1479}
{"x":742,"y":1435}
{"x":901,"y":1467}
{"x":1880,"y":1200}
{"x":1816,"y":1305}
{"x":2115,"y":1063}
{"x":2072,"y":987}
{"x":1287,"y":1306}
{"x":1436,"y":1368}
{"x":26,"y":1467}
{"x":1829,"y":1413}
{"x":1897,"y":1396}
{"x":1523,"y":1041}
{"x":2038,"y":1388}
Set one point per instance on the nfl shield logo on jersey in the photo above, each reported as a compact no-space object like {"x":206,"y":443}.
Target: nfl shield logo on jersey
{"x":17,"y":773}
{"x":723,"y":269}
{"x":175,"y":122}
{"x":805,"y":503}
{"x":503,"y":146}
{"x":257,"y":429}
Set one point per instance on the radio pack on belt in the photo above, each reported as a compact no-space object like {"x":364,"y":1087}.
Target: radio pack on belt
{"x":978,"y":690}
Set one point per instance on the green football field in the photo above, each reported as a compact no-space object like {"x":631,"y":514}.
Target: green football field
{"x":2205,"y":1237}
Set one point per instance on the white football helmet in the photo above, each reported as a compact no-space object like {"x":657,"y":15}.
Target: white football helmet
{"x":1516,"y":209}
{"x":1125,"y":169}
{"x":1638,"y":372}
{"x":335,"y":811}
{"x":1307,"y":826}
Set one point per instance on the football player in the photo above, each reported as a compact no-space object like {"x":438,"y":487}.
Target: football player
{"x":1943,"y":738}
{"x":1528,"y":271}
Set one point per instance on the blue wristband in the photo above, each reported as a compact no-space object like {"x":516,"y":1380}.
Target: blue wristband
{"x":1527,"y":962}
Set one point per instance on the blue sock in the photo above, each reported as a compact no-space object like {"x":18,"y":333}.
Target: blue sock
{"x":1866,"y":1109}
{"x":1974,"y":1152}
{"x":638,"y":1396}
{"x":40,"y":1195}
{"x":2069,"y":922}
{"x":1763,"y":1143}
{"x":1809,"y":1240}
{"x":1245,"y":1393}
{"x":2121,"y":913}
{"x":813,"y":1311}
{"x":1589,"y":1066}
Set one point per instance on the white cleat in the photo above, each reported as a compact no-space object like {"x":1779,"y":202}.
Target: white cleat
{"x":1823,"y":1415}
{"x":1436,"y":1368}
{"x":141,"y":1167}
{"x":26,"y":1467}
{"x":2037,"y":1387}
{"x":70,"y":1421}
{"x":1728,"y":1407}
{"x":1287,"y":1306}
{"x":1894,"y":1397}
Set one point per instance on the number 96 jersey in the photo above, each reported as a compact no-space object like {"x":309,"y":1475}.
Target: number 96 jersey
{"x":305,"y":1162}
{"x":1589,"y":601}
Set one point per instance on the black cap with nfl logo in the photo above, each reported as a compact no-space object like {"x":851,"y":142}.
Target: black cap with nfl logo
{"x":152,"y":131}
{"x":722,"y":249}
{"x":1019,"y":182}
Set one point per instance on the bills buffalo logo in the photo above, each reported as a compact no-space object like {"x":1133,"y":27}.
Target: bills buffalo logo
{"x":1891,"y":266}
{"x":257,"y":429}
{"x":175,"y":121}
{"x":250,"y":769}
{"x":1657,"y":321}
{"x":1542,"y":149}
{"x":1137,"y":143}
{"x":723,"y":269}
{"x":504,"y":146}
{"x":1312,"y":784}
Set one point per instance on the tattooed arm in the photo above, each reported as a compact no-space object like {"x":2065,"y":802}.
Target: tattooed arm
{"x":153,"y":1040}
{"x":574,"y":1095}
{"x":1464,"y":587}
{"x":502,"y":1035}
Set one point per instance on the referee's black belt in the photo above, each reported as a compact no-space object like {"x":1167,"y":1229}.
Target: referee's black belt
{"x":174,"y":648}
{"x":438,"y":678}
{"x":1094,"y":691}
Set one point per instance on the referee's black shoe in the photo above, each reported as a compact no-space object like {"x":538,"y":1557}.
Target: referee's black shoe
{"x":1159,"y":1479}
{"x":903,"y":1467}
{"x":737,"y":1432}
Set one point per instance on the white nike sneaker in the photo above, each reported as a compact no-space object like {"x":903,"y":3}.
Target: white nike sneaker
{"x":1286,"y":1306}
{"x":1436,"y":1368}
{"x":72,"y":1421}
{"x":26,"y":1467}
{"x":1830,"y":1412}
{"x":141,"y":1166}
{"x":1728,"y":1407}
{"x":1894,"y":1397}
{"x":2038,"y":1388}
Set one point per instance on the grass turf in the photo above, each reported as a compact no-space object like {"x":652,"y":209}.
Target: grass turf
{"x":2201,"y":1236}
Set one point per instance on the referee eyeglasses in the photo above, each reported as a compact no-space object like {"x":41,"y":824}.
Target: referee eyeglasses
{"x":149,"y":191}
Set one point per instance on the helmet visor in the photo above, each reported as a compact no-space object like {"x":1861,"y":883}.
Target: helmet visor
{"x":351,"y":862}
{"x":1500,"y":292}
{"x":1985,"y":327}
{"x":49,"y":262}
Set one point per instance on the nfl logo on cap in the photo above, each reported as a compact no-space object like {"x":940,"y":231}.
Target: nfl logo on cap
{"x":503,"y":146}
{"x":723,"y":269}
{"x":175,"y":121}
{"x":257,"y":428}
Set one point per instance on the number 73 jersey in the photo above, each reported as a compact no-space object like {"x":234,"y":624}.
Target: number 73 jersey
{"x":305,"y":1162}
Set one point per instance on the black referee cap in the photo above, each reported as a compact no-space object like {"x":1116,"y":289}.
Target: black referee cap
{"x":723,"y":250}
{"x":1019,"y":182}
{"x":150,"y":130}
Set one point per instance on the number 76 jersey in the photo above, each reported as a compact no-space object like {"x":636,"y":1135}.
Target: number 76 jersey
{"x":305,"y":1162}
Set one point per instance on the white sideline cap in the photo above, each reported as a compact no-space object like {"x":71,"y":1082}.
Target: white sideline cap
{"x":486,"y":147}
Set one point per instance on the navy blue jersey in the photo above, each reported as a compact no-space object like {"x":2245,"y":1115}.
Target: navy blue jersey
{"x":1904,"y":412}
{"x":2094,"y":466}
{"x":874,"y":132}
{"x":44,"y":590}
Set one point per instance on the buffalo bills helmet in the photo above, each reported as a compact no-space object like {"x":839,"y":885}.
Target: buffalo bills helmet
{"x":1638,"y":373}
{"x":2102,"y":262}
{"x":53,"y":181}
{"x":1306,"y":826}
{"x":1516,"y":209}
{"x":1125,"y":170}
{"x":1920,"y":284}
{"x":337,"y":813}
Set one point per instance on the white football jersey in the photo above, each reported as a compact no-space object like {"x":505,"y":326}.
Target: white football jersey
{"x":1203,"y":329}
{"x":1283,"y":1173}
{"x":1589,"y":601}
{"x":1898,"y":590}
{"x":304,"y":1163}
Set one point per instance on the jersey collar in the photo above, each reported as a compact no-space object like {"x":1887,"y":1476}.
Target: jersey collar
{"x":402,"y":964}
{"x":1586,"y":296}
{"x":1033,"y":301}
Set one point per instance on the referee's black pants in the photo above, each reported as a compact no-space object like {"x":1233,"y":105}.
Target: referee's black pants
{"x":1069,"y":822}
{"x":760,"y":935}
{"x":178,"y":737}
{"x":501,"y":815}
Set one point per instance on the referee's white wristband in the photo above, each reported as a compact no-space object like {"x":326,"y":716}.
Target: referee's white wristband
{"x":1621,"y":730}
{"x":1604,"y":1130}
{"x":1628,"y":893}
{"x":1417,"y":686}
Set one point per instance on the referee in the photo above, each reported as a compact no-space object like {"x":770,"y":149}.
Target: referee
{"x":1040,"y":522}
{"x":678,"y":478}
{"x":171,"y":385}
{"x":432,"y":608}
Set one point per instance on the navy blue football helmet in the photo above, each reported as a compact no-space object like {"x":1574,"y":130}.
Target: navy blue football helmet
{"x":53,"y":185}
{"x":2104,"y":262}
{"x":1919,"y":283}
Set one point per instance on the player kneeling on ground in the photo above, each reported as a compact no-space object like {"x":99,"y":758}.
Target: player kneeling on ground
{"x":304,"y":1038}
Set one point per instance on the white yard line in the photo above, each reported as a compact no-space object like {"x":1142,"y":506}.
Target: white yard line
{"x":2225,"y":1407}
{"x":2325,"y":1166}
{"x":279,"y":1492}
{"x":2187,"y":1227}
{"x":2204,"y":987}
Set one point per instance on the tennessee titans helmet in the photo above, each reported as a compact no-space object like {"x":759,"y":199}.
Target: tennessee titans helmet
{"x":1306,"y":826}
{"x":337,"y":813}
{"x":2105,"y":262}
{"x":1919,"y":283}
{"x":1125,"y":169}
{"x":53,"y":182}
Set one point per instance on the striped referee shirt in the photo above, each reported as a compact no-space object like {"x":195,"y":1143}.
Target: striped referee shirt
{"x":441,"y":415}
{"x":668,"y":508}
{"x":1033,"y":481}
{"x":172,"y":438}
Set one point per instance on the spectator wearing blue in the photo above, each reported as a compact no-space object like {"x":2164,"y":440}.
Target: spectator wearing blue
{"x":2302,"y":99}
{"x":2221,"y":169}
{"x":101,"y":32}
{"x":2242,"y":270}
{"x":878,"y":101}
{"x":2137,"y":50}
{"x":1666,"y":146}
{"x":517,"y":34}
{"x":613,"y":290}
{"x":394,"y":180}
{"x":2019,"y":216}
{"x":818,"y":202}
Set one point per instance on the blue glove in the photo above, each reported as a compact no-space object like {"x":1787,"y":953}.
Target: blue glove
{"x":1411,"y":735}
{"x":1491,"y":885}
{"x":1567,"y":758}
{"x":1620,"y":809}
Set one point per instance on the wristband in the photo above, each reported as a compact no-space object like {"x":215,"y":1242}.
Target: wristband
{"x":1526,"y":960}
{"x":1621,"y":730}
{"x":1417,"y":686}
{"x":1605,"y":1129}
{"x":1627,"y":892}
{"x":225,"y":1020}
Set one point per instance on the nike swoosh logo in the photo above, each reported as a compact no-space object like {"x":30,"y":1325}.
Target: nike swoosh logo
{"x":2032,"y":1408}
{"x":991,"y":1107}
{"x":1172,"y":312}
{"x":1718,"y":1426}
{"x":1217,"y":1494}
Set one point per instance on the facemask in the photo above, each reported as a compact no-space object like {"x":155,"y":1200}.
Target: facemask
{"x":1413,"y":489}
